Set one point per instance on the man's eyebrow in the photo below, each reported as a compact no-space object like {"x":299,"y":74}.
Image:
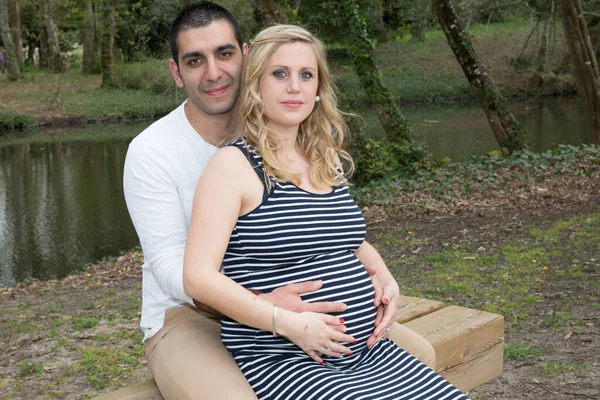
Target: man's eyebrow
{"x":196,"y":53}
{"x":192,"y":54}
{"x":227,"y":46}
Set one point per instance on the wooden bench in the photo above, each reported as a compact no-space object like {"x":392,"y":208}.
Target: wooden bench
{"x":469,"y":345}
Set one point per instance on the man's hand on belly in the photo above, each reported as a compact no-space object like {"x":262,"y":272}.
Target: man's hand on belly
{"x":288,"y":297}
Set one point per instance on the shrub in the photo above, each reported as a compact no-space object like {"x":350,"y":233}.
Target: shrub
{"x":375,"y":159}
{"x":151,"y":75}
{"x":482,"y":176}
{"x":10,"y":119}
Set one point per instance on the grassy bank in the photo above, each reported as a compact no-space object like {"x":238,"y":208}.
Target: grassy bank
{"x":414,"y":72}
{"x":71,"y":98}
{"x":83,"y":133}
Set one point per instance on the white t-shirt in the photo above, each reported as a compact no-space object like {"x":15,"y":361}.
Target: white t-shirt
{"x":162,"y":168}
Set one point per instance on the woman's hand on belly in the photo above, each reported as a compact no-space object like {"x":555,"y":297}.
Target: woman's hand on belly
{"x":312,"y":332}
{"x":387,"y":305}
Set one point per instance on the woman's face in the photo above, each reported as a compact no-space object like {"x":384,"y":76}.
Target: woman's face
{"x":289,"y":86}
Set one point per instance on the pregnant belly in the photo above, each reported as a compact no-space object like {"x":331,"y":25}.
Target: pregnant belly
{"x":345,"y":280}
{"x":352,"y":286}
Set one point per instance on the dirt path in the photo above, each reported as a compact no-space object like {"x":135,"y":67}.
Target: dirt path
{"x":536,"y":262}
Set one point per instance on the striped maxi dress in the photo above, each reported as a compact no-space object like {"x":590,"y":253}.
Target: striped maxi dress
{"x":295,"y":236}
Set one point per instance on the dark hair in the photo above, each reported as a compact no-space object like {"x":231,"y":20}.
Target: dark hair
{"x":200,"y":15}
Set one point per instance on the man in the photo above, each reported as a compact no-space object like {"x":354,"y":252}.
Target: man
{"x":183,"y":346}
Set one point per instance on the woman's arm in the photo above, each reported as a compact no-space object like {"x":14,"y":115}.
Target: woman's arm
{"x":217,"y":204}
{"x":387,"y":290}
{"x":223,"y":192}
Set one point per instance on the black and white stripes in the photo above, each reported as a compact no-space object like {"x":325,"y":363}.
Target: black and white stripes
{"x":297,"y":236}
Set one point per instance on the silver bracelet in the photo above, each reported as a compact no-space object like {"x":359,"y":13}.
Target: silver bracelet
{"x":275,"y":320}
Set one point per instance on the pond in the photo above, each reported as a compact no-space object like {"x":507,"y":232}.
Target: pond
{"x":61,"y":200}
{"x":460,"y":130}
{"x":61,"y":195}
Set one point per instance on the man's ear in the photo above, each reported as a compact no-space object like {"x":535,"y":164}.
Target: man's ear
{"x":175,"y":73}
{"x":244,"y":50}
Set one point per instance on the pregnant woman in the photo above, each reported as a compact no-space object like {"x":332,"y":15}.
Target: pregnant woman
{"x":273,"y":208}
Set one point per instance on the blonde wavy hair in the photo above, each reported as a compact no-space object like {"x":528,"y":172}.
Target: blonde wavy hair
{"x":320,"y":135}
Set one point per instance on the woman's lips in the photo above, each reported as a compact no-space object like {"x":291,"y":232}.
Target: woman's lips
{"x":292,"y":103}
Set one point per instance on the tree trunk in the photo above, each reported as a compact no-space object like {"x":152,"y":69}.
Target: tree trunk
{"x":44,"y":52}
{"x":54,"y":56}
{"x":419,"y":15}
{"x":31,"y":53}
{"x":185,"y":3}
{"x":506,"y":129}
{"x":593,"y":23}
{"x":381,"y":32}
{"x":417,"y":31}
{"x":108,"y":44}
{"x":362,"y":51}
{"x":271,"y":11}
{"x":584,"y":62}
{"x":88,"y":38}
{"x":543,"y":57}
{"x":15,"y":30}
{"x":12,"y":66}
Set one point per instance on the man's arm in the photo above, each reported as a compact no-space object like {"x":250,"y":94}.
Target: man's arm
{"x":288,"y":297}
{"x":157,"y":213}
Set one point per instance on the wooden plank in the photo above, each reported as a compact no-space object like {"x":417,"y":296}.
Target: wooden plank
{"x":476,"y":371}
{"x":468,"y":344}
{"x":410,"y":308}
{"x":146,"y":390}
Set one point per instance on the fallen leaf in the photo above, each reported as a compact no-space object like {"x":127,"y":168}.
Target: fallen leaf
{"x":568,"y":335}
{"x":84,"y":336}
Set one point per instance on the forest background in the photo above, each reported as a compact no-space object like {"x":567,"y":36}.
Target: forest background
{"x":512,"y":232}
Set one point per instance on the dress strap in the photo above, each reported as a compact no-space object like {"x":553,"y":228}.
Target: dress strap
{"x":255,"y":160}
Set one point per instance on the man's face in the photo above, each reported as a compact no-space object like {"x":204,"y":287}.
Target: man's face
{"x":210,"y":65}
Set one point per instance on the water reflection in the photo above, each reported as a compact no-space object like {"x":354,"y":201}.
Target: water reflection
{"x":61,"y":202}
{"x":459,"y":130}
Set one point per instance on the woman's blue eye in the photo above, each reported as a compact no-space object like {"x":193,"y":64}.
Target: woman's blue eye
{"x":279,"y":73}
{"x":306,"y":75}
